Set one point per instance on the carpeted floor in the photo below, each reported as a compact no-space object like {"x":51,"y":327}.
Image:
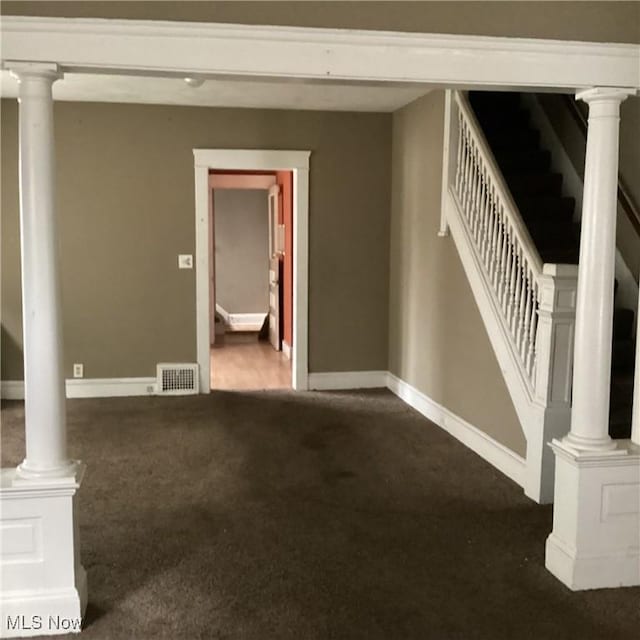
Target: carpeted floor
{"x":313,"y":516}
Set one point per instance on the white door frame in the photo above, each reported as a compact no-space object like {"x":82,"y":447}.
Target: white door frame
{"x":260,"y":160}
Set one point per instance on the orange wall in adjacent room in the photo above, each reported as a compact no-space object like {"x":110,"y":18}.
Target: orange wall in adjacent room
{"x":285,"y":181}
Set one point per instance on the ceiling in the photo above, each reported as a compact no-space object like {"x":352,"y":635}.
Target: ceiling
{"x":254,"y":93}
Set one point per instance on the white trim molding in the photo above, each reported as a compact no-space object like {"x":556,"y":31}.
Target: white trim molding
{"x":89,"y":388}
{"x":335,"y":380}
{"x":286,"y":350}
{"x":261,"y":160}
{"x":187,"y":48}
{"x":110,"y":387}
{"x":242,"y":321}
{"x":43,"y":580}
{"x":502,"y":458}
{"x":595,"y":541}
{"x":223,"y":312}
{"x":246,"y":321}
{"x":447,"y":158}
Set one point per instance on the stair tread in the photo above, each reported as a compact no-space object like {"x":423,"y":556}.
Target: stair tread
{"x":509,"y":159}
{"x":534,"y":183}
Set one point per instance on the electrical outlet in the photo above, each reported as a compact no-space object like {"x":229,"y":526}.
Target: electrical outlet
{"x":185,"y":261}
{"x":78,"y":370}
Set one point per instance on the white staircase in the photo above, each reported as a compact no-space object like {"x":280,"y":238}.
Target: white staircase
{"x":528,"y":307}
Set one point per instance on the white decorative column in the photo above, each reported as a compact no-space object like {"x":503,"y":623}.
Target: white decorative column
{"x":43,"y":585}
{"x":596,"y":521}
{"x":594,"y":312}
{"x":44,"y":384}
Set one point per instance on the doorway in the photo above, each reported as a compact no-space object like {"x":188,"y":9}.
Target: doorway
{"x":251,"y":279}
{"x":229,"y":163}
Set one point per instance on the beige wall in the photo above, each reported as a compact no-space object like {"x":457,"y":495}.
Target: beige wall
{"x":596,"y":21}
{"x":126,"y":209}
{"x":242,"y":250}
{"x":437,"y":340}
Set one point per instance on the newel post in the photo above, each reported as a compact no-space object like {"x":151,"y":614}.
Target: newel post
{"x":554,"y":359}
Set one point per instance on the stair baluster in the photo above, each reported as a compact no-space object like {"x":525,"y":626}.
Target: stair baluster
{"x":495,"y":236}
{"x":503,"y":259}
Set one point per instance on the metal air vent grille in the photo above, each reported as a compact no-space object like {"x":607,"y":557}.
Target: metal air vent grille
{"x":177,"y":379}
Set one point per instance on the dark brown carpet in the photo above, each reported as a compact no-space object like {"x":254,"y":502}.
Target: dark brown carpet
{"x":308,"y":516}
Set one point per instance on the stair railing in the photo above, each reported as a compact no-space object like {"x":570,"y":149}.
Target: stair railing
{"x":528,"y":307}
{"x":624,"y":196}
{"x":508,"y":254}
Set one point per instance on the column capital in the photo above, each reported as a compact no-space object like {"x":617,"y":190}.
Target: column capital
{"x":38,"y":70}
{"x":602,"y":94}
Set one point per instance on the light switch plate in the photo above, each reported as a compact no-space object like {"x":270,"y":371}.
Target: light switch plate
{"x":185,"y":261}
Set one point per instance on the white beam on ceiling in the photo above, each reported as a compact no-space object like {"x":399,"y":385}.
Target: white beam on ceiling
{"x":165,"y":48}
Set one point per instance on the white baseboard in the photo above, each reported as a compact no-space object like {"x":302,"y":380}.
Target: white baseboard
{"x":110,"y":387}
{"x":242,"y":321}
{"x":246,"y":321}
{"x":605,"y":571}
{"x":89,"y":388}
{"x":286,"y":350}
{"x":347,"y":380}
{"x":505,"y":460}
{"x":223,"y":312}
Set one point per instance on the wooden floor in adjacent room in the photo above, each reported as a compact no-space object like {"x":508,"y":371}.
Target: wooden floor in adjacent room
{"x":245,"y":363}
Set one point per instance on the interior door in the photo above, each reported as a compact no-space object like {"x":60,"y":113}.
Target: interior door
{"x":274,"y":269}
{"x":212,"y":270}
{"x":274,"y":303}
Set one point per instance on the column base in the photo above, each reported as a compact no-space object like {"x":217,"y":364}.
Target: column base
{"x":23,"y":471}
{"x":595,"y":541}
{"x":43,"y":585}
{"x":591,"y":445}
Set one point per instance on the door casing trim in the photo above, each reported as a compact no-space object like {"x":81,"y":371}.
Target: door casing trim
{"x":260,"y":160}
